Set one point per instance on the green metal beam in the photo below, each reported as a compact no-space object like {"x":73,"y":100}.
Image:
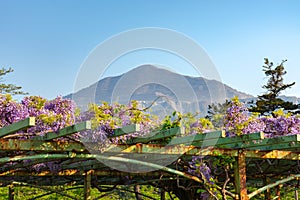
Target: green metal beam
{"x":254,"y":142}
{"x":81,"y":164}
{"x":228,"y":142}
{"x":189,"y":139}
{"x":277,"y":143}
{"x":125,"y":130}
{"x":211,"y":151}
{"x":18,"y":126}
{"x":69,"y":130}
{"x":157,"y":135}
{"x":179,"y":150}
{"x":65,"y":146}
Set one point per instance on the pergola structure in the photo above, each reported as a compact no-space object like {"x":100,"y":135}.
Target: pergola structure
{"x":265,"y":163}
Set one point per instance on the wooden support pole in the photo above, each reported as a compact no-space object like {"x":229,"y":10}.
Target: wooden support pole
{"x":162,"y":194}
{"x":240,"y":176}
{"x":138,"y":196}
{"x":278,"y":188}
{"x":267,"y":191}
{"x":11,"y":192}
{"x":88,"y":185}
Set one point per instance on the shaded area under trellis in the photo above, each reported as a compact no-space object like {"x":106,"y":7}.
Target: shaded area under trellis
{"x":259,"y":161}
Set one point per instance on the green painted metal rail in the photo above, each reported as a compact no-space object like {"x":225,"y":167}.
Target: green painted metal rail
{"x":125,"y":130}
{"x":18,"y":126}
{"x":69,"y":130}
{"x":75,"y":158}
{"x":157,"y":135}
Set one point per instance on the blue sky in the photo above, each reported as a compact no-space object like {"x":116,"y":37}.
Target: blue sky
{"x":46,"y":42}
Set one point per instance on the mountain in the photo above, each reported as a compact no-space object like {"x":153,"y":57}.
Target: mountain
{"x":293,"y":99}
{"x":169,"y":90}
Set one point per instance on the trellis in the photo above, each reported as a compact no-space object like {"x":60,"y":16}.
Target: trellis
{"x":79,"y":166}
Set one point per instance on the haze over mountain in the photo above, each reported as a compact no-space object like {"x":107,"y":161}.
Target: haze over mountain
{"x":169,"y":90}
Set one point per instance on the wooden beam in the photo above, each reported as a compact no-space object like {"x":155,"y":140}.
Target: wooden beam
{"x":80,"y":173}
{"x":36,"y":145}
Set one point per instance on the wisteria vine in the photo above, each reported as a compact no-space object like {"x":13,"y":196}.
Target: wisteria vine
{"x":52,"y":115}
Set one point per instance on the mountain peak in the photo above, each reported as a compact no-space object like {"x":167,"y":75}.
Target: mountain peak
{"x":148,"y":82}
{"x":150,"y":68}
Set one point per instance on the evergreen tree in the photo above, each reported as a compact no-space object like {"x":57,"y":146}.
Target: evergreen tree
{"x":270,"y":101}
{"x":9,"y":88}
{"x":216,"y":112}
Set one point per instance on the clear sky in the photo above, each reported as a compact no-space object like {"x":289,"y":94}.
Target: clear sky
{"x":46,"y":42}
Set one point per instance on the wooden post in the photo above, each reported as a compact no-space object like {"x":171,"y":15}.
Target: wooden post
{"x":137,"y":192}
{"x":240,"y":176}
{"x":267,"y":192}
{"x":11,"y":192}
{"x":162,"y":194}
{"x":278,"y":192}
{"x":87,"y":185}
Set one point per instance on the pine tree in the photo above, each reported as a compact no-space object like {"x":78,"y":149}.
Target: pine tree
{"x":216,"y":112}
{"x":270,"y":101}
{"x":9,"y":88}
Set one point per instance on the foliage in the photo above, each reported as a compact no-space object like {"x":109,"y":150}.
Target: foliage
{"x":239,"y":120}
{"x":9,"y":88}
{"x":198,"y":167}
{"x":270,"y":101}
{"x":216,"y":113}
{"x":106,"y":118}
{"x":122,"y":192}
{"x":52,"y":115}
